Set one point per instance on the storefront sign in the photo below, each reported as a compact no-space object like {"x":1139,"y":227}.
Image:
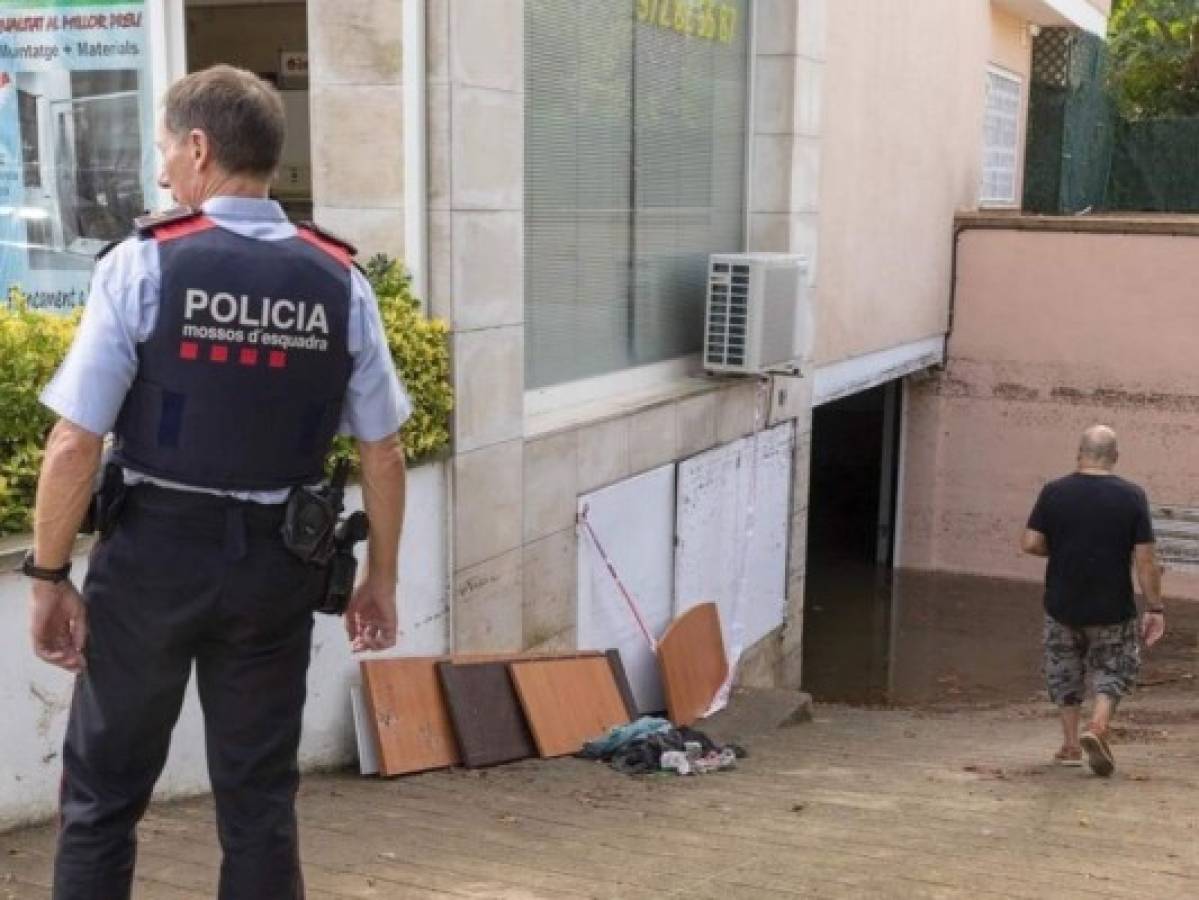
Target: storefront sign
{"x":709,"y":20}
{"x":77,"y":159}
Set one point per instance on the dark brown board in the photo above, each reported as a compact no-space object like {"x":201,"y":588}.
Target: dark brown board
{"x":622,"y":682}
{"x":487,"y":718}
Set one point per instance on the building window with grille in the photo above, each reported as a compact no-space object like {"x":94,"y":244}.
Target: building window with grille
{"x":635,"y":145}
{"x":1001,"y":139}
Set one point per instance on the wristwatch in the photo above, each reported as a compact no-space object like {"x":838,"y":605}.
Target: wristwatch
{"x":31,"y":570}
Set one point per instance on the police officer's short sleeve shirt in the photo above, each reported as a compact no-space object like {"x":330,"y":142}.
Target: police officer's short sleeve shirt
{"x":90,"y":386}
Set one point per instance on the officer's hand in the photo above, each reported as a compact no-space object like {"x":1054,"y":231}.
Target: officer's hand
{"x":371,"y":616}
{"x":58,"y":624}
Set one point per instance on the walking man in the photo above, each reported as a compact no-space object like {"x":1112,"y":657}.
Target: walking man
{"x":223,"y":347}
{"x":1094,"y":527}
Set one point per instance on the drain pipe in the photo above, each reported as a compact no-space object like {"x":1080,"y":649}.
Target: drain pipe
{"x":416,"y":201}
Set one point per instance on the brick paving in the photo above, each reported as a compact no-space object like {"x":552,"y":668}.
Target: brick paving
{"x":859,"y":803}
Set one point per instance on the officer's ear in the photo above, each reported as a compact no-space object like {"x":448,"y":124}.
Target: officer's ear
{"x":199,"y":148}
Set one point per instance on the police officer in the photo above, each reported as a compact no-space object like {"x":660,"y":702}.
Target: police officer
{"x":224,"y":348}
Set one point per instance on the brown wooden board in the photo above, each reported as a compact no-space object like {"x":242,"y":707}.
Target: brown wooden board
{"x":622,"y":682}
{"x":693,"y":664}
{"x":485,"y":713}
{"x":568,"y":701}
{"x":412,"y":728}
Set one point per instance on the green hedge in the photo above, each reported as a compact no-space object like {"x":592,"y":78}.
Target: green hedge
{"x":32,"y":344}
{"x":420,"y":347}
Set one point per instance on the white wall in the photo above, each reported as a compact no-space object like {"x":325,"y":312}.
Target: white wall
{"x":34,"y":697}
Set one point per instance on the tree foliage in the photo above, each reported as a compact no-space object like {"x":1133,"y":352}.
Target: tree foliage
{"x":1154,"y":46}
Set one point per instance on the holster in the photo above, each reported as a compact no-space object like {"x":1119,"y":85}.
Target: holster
{"x":343,"y":567}
{"x":107,"y":502}
{"x":314,"y":532}
{"x":309,"y":523}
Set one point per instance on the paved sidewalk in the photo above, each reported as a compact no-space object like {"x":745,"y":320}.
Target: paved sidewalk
{"x":859,"y":803}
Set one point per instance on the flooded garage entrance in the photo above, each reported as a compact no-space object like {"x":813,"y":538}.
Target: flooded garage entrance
{"x":847,"y":602}
{"x":874,"y":635}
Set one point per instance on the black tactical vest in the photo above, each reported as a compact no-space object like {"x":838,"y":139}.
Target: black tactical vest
{"x":240,"y":385}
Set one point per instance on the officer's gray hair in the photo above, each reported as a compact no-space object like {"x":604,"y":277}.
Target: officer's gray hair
{"x":241,"y":114}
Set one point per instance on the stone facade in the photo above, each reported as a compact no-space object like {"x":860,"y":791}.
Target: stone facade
{"x":355,"y":66}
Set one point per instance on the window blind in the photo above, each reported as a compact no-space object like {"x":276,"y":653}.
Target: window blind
{"x":634,"y":172}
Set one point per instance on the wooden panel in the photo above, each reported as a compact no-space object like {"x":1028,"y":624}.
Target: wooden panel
{"x":693,"y":664}
{"x":568,"y":701}
{"x":486,"y":715}
{"x":412,"y":729}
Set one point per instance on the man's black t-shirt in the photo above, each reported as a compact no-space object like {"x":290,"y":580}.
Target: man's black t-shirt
{"x":1091,"y":523}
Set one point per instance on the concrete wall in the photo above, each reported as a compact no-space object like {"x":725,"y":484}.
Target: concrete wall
{"x":1053,"y":331}
{"x":34,"y":697}
{"x":903,"y":117}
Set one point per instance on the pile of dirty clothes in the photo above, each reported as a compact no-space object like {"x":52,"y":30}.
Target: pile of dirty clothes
{"x":651,"y":745}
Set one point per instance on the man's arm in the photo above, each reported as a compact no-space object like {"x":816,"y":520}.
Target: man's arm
{"x":1149,"y":577}
{"x":1034,"y":543}
{"x":64,"y":489}
{"x":371,"y":615}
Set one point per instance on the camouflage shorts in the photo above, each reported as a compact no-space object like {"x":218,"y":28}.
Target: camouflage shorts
{"x":1109,"y":653}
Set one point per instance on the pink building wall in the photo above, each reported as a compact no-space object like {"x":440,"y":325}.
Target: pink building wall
{"x":1057,"y":324}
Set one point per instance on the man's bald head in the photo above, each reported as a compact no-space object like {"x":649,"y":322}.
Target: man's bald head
{"x":1097,"y":449}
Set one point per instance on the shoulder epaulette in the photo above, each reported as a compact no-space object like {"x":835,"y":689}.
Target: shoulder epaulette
{"x":329,"y":236}
{"x":106,"y":249}
{"x":145,"y":225}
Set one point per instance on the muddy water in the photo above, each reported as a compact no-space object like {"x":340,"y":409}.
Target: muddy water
{"x":927,"y":639}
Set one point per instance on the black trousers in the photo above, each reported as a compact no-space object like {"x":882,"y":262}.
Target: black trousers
{"x":188,"y":578}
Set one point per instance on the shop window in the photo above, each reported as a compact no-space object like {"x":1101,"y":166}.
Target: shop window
{"x":1001,"y":135}
{"x":635,"y":137}
{"x":77,"y":158}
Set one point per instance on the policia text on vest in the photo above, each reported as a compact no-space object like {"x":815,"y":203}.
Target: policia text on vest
{"x":252,"y":316}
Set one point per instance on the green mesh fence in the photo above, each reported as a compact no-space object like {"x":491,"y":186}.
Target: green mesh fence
{"x":1081,"y":155}
{"x":1153,"y":167}
{"x":1071,"y":124}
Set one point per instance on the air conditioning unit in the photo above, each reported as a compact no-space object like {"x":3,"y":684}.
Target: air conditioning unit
{"x":756,"y":317}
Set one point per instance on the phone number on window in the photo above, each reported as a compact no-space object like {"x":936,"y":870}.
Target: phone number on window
{"x":706,"y":19}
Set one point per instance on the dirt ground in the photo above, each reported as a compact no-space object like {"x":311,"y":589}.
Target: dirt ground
{"x":941,"y":802}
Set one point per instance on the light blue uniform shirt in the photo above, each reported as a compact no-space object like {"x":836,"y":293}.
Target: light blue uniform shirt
{"x":122,"y":307}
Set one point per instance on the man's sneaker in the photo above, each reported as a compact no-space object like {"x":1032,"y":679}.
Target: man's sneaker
{"x":1068,"y":756}
{"x":1099,"y":754}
